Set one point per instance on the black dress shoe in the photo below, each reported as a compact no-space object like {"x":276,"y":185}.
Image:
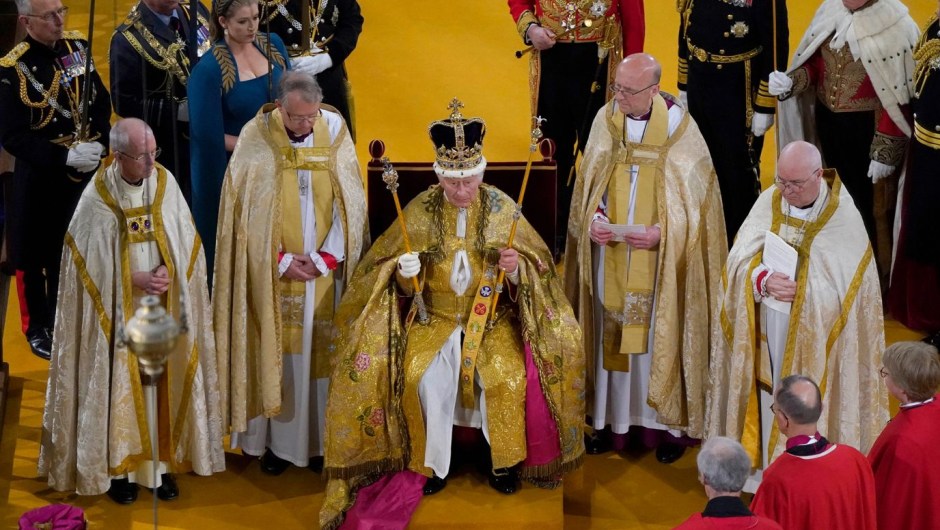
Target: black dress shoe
{"x":504,"y":480}
{"x":597,"y":443}
{"x":40,"y":341}
{"x":668,"y":453}
{"x":273,"y":464}
{"x":122,"y":491}
{"x":316,"y":464}
{"x":168,"y":489}
{"x":434,"y":485}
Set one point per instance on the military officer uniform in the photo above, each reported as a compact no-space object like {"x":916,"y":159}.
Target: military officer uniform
{"x":725,"y":57}
{"x":335,"y":26}
{"x":41,"y":91}
{"x":150,"y":64}
{"x":568,"y":80}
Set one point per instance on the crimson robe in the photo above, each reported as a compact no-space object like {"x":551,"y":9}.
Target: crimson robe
{"x":907,"y":470}
{"x":834,"y":489}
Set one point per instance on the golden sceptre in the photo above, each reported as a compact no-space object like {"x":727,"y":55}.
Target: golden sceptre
{"x":390,"y":177}
{"x":533,"y":147}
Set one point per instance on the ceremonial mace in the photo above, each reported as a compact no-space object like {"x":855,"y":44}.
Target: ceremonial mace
{"x":533,"y":146}
{"x":585,"y":24}
{"x":151,"y":335}
{"x":390,"y":177}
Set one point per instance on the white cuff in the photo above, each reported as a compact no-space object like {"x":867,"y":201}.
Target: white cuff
{"x":513,"y":276}
{"x":319,"y":263}
{"x":285,"y":262}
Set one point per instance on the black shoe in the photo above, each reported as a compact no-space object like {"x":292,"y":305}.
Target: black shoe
{"x":504,"y":480}
{"x":668,"y":453}
{"x":316,"y":464}
{"x":597,"y":443}
{"x":40,"y":341}
{"x":122,"y":491}
{"x":273,"y":464}
{"x":168,"y":489}
{"x":434,"y":485}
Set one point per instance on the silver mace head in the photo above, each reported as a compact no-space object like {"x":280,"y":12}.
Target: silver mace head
{"x":389,"y":175}
{"x":151,"y":334}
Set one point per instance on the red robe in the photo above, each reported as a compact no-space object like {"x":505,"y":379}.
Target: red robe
{"x":749,"y":522}
{"x":833,"y":490}
{"x":907,"y":470}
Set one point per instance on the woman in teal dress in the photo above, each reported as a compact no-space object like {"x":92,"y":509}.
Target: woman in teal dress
{"x":226,"y":90}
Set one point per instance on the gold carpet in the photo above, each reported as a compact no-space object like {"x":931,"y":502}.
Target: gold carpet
{"x":412,"y":58}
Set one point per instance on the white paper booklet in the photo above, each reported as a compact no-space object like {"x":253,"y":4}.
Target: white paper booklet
{"x":780,"y":257}
{"x":621,"y":231}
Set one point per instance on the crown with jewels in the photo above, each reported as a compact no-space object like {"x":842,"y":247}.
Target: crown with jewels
{"x":458,"y":144}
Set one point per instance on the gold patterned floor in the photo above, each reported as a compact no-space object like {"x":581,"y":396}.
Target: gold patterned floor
{"x":413,"y":57}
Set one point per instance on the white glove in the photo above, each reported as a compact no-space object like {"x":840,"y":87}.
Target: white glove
{"x":779,"y":83}
{"x":313,"y":64}
{"x":409,"y":265}
{"x":684,"y":98}
{"x":761,"y":122}
{"x":878,"y":171}
{"x":85,"y":156}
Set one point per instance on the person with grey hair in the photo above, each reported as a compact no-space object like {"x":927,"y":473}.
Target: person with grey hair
{"x":907,"y":471}
{"x":132,"y":235}
{"x":294,"y":186}
{"x":815,"y":483}
{"x":42,"y":83}
{"x":802,"y":264}
{"x":723,"y":467}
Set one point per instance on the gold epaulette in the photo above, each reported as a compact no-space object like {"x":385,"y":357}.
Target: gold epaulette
{"x":74,"y":35}
{"x":132,"y":17}
{"x":14,"y":55}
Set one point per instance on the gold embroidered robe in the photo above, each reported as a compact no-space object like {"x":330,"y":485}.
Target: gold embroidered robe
{"x":835,"y":335}
{"x":246,"y":288}
{"x":691,"y":253}
{"x":95,"y":424}
{"x":374,"y":418}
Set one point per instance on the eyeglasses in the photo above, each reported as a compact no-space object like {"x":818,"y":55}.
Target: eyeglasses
{"x":297,"y":118}
{"x":797,"y":185}
{"x":884,"y":373}
{"x":617,"y":89}
{"x":141,"y":156}
{"x":52,"y":15}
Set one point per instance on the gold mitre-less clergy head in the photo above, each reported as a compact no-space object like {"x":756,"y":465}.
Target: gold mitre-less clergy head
{"x":458,"y":144}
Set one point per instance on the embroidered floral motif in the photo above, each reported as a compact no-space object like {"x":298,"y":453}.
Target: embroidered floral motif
{"x":370,"y":418}
{"x":362,"y":362}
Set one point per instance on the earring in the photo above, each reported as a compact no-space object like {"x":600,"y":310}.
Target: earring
{"x":225,"y":31}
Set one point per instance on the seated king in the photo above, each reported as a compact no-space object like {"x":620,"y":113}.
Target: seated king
{"x":400,"y":385}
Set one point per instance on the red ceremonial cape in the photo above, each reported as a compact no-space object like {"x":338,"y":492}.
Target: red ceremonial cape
{"x":749,"y":522}
{"x":907,"y":470}
{"x":833,"y":490}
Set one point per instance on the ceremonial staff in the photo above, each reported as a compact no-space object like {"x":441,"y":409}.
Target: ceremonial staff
{"x":390,"y":177}
{"x":82,"y":134}
{"x":533,"y":147}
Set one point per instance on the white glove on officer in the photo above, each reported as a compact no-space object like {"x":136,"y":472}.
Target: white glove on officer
{"x":761,"y":122}
{"x":684,"y":98}
{"x":85,"y":156}
{"x":779,"y":83}
{"x":878,"y":171}
{"x":409,"y":265}
{"x":313,"y":64}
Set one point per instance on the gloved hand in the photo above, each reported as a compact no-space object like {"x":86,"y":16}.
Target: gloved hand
{"x":761,"y":122}
{"x":313,"y":64}
{"x":779,"y":83}
{"x":684,"y":98}
{"x":409,"y":265}
{"x":878,"y":171}
{"x":85,"y":156}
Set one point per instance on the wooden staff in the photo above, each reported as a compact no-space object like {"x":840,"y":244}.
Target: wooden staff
{"x":390,"y":177}
{"x":533,"y":147}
